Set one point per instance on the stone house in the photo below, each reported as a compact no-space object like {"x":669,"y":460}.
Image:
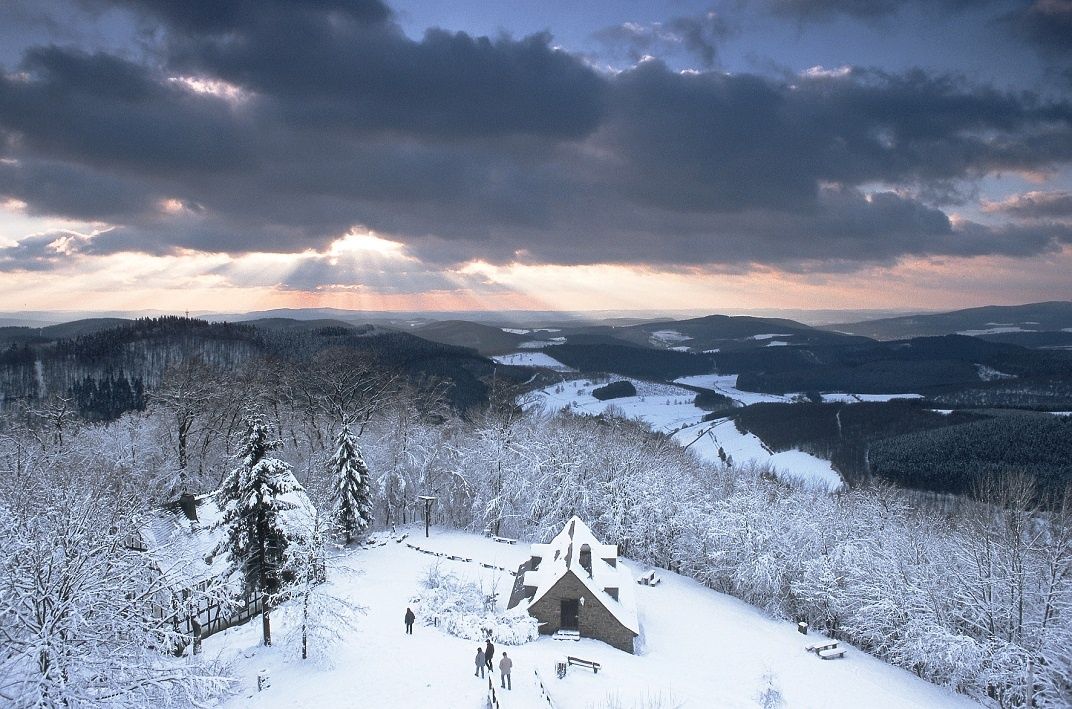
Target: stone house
{"x":573,"y":585}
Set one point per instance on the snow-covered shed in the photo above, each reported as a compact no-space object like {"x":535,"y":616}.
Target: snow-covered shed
{"x":184,"y":539}
{"x":574,"y":583}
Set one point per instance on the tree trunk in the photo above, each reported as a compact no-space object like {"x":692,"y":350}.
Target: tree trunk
{"x":266,"y":626}
{"x":305,"y":627}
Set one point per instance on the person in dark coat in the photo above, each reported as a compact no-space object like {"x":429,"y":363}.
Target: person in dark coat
{"x":489,"y":653}
{"x":409,"y":621}
{"x":480,"y":663}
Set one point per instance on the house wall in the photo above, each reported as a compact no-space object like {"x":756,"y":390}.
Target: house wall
{"x":594,"y":620}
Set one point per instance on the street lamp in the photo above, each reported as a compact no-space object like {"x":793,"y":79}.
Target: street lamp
{"x":428,"y":500}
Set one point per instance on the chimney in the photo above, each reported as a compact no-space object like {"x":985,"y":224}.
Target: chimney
{"x":188,"y":506}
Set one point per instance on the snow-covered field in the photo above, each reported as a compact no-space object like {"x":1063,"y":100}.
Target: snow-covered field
{"x":533,"y":359}
{"x":698,"y":649}
{"x":662,"y":406}
{"x":705,"y":439}
{"x":726,"y":384}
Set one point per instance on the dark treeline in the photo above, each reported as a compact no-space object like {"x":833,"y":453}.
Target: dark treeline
{"x":641,"y":362}
{"x":952,"y":459}
{"x":107,"y":372}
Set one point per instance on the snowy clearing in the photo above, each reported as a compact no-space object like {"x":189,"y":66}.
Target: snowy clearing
{"x":992,"y":330}
{"x":537,"y":344}
{"x":698,"y":648}
{"x":533,"y":359}
{"x":768,"y":336}
{"x":776,"y":343}
{"x":662,"y":406}
{"x":844,"y":398}
{"x":668,"y":336}
{"x":706,"y":439}
{"x":989,"y":374}
{"x":726,"y":384}
{"x":515,"y":330}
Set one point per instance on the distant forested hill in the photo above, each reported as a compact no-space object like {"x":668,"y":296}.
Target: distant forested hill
{"x":111,"y":370}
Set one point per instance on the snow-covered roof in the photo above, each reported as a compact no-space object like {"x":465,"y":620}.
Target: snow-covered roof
{"x":563,"y":555}
{"x":182,"y":536}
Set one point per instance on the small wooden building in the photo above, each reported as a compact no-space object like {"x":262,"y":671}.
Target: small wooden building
{"x":574,"y":585}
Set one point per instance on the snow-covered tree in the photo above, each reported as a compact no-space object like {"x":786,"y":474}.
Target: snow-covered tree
{"x":258,"y":530}
{"x":351,"y":490}
{"x":324,"y":617}
{"x":80,"y":623}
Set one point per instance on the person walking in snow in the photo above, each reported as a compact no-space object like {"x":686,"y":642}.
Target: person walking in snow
{"x":505,"y":665}
{"x":480,"y":665}
{"x":409,"y":621}
{"x":489,"y":652}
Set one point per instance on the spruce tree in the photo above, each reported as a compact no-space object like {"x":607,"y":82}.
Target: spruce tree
{"x":255,"y":512}
{"x":351,"y":489}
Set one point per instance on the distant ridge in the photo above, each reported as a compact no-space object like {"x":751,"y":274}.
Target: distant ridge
{"x":1050,"y":316}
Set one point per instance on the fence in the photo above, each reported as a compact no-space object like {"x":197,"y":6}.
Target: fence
{"x":543,"y":690}
{"x":453,"y":557}
{"x":209,"y":614}
{"x":493,"y":700}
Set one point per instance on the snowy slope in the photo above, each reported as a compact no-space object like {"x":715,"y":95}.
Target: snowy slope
{"x":698,"y":649}
{"x":670,"y":409}
{"x":533,"y":359}
{"x":706,"y":439}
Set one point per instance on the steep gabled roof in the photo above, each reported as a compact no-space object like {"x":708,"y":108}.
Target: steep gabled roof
{"x":562,"y":555}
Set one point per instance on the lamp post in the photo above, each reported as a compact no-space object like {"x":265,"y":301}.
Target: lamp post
{"x":428,"y":500}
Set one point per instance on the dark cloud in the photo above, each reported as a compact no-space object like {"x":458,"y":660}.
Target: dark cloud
{"x":1046,"y":23}
{"x":698,"y":36}
{"x":1035,"y":205}
{"x":105,"y":111}
{"x":42,"y":252}
{"x":864,"y":9}
{"x":223,"y":16}
{"x":291,"y":126}
{"x":73,"y":190}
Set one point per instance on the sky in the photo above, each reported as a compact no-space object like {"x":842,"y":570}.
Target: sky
{"x":534,"y":154}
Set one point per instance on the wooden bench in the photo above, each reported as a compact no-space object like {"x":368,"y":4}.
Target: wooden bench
{"x":824,"y":649}
{"x":594,"y":666}
{"x":649,"y":579}
{"x":504,"y":540}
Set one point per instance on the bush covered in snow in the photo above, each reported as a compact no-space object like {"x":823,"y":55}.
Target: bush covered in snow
{"x":466,"y":609}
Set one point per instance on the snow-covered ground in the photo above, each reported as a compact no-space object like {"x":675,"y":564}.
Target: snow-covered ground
{"x":666,"y":337}
{"x":838,"y":396}
{"x":698,"y":649}
{"x":533,"y":359}
{"x":537,"y":344}
{"x":662,"y":406}
{"x":992,"y":330}
{"x":705,"y":439}
{"x":726,"y":384}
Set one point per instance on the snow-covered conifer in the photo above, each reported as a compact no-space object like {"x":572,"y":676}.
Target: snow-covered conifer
{"x":351,"y":491}
{"x":258,"y":531}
